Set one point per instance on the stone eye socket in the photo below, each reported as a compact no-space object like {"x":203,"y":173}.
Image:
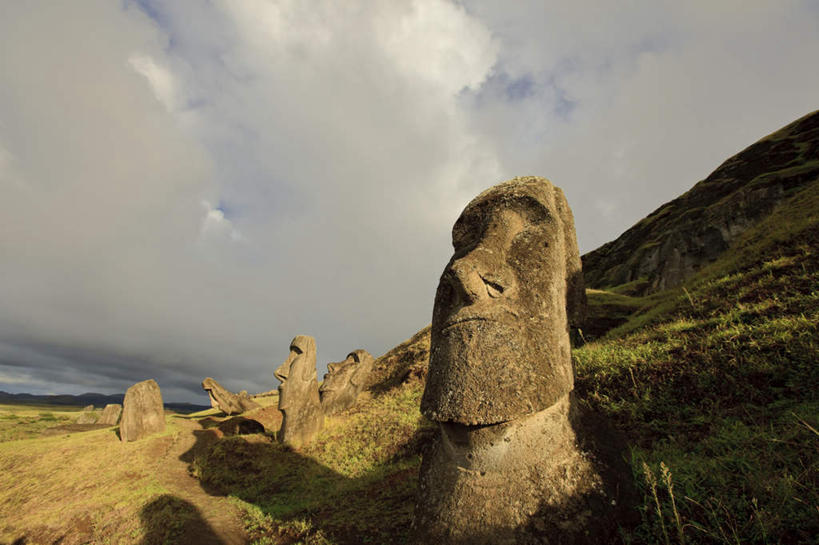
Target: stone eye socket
{"x":493,"y":289}
{"x":296,"y":349}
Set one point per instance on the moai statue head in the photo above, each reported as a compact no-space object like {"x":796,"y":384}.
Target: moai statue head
{"x":298,"y":392}
{"x":226,"y":401}
{"x":344,"y":381}
{"x":500,"y":344}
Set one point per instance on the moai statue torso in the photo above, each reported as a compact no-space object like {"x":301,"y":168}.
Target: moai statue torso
{"x":505,"y":466}
{"x":344,"y":381}
{"x":302,"y":417}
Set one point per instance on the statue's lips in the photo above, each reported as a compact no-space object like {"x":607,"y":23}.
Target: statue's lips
{"x":500,"y":315}
{"x":463,"y":320}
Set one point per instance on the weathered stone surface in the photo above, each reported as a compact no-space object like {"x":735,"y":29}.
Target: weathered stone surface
{"x":110,"y":414}
{"x":302,"y":417}
{"x":500,"y":344}
{"x":143,"y":412}
{"x":226,"y":401}
{"x":507,"y":464}
{"x":344,"y":381}
{"x":88,"y":416}
{"x":684,"y":235}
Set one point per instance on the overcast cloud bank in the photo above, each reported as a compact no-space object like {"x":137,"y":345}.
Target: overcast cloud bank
{"x":186,"y":187}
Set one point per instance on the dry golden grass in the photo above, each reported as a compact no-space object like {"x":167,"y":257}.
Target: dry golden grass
{"x":79,"y":487}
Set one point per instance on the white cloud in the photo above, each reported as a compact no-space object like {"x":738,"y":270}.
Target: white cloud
{"x":160,"y":79}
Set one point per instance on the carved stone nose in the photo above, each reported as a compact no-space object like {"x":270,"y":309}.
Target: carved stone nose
{"x":466,"y":279}
{"x":281,"y":372}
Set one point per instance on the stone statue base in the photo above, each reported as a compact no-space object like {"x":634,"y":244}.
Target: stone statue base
{"x":519,"y":482}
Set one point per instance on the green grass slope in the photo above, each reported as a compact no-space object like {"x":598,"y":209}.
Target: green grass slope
{"x":716,"y":386}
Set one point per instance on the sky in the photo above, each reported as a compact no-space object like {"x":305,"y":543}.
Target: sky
{"x":186,"y":186}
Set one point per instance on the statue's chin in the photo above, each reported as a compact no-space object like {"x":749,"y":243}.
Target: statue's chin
{"x":477,"y":371}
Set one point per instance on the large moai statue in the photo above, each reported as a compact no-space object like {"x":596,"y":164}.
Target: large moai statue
{"x":302,"y":417}
{"x":225,"y":400}
{"x":506,"y":465}
{"x":344,"y":381}
{"x":142,"y":411}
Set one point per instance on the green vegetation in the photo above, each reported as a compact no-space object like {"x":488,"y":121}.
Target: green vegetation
{"x":716,"y":386}
{"x":25,"y":422}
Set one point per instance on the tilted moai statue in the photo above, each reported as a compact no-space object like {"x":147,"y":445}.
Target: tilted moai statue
{"x":344,"y":381}
{"x":505,"y":466}
{"x":302,"y":417}
{"x":225,"y":400}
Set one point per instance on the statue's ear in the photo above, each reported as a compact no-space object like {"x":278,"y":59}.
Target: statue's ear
{"x":307,"y":371}
{"x":575,"y":286}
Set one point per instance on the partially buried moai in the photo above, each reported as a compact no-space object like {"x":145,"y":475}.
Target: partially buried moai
{"x":344,"y":381}
{"x":505,"y":466}
{"x":302,"y":417}
{"x":225,"y":400}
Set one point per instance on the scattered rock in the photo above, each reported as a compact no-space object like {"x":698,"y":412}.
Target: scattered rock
{"x":344,"y":381}
{"x":143,"y":413}
{"x":302,"y":417}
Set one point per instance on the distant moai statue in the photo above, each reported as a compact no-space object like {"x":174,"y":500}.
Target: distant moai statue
{"x":302,"y":417}
{"x":110,"y":414}
{"x":142,"y":411}
{"x":225,"y":400}
{"x":88,"y":416}
{"x":344,"y":381}
{"x":506,"y":465}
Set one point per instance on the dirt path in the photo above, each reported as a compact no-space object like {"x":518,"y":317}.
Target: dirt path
{"x":223,"y":519}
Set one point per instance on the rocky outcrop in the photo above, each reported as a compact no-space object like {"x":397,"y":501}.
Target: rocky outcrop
{"x":693,"y":230}
{"x":143,"y":412}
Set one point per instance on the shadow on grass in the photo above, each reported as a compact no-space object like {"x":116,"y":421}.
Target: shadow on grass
{"x":169,"y":520}
{"x":297,"y":499}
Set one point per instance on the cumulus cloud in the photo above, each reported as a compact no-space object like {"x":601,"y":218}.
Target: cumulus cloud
{"x":186,"y":188}
{"x":627,"y":105}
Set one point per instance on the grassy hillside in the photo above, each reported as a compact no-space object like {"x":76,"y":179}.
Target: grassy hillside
{"x":716,"y":385}
{"x":693,"y":230}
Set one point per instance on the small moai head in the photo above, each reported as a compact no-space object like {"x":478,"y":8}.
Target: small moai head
{"x":500,"y":345}
{"x":297,"y":373}
{"x":345,"y":380}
